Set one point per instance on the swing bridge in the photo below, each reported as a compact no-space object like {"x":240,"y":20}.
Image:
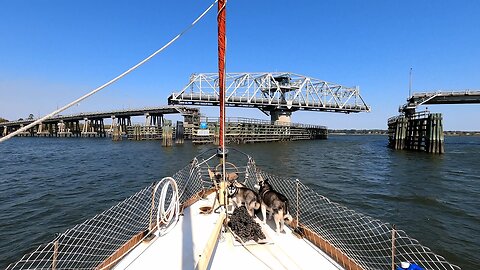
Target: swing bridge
{"x":276,"y":94}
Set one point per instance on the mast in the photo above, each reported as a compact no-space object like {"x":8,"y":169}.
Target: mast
{"x":221,"y":16}
{"x":410,"y":84}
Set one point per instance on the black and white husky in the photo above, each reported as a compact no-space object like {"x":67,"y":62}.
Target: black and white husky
{"x":276,"y":204}
{"x":242,"y":195}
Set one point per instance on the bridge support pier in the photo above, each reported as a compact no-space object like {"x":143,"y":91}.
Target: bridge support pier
{"x":116,"y":130}
{"x":281,"y":116}
{"x":421,"y":131}
{"x":40,"y":129}
{"x":87,"y":130}
{"x":63,"y":129}
{"x":25,"y":133}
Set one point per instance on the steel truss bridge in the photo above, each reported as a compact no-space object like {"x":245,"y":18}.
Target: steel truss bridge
{"x":440,"y":97}
{"x":272,"y":93}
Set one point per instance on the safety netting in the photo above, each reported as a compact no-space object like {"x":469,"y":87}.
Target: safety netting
{"x":91,"y":244}
{"x":367,"y":242}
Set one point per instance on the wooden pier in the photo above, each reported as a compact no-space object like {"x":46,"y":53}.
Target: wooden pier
{"x":142,"y":132}
{"x":238,"y":130}
{"x":422,"y":131}
{"x":247,"y":130}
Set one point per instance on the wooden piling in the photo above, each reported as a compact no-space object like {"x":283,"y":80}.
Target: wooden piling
{"x":167,"y":135}
{"x":116,"y":133}
{"x":179,"y":130}
{"x":422,"y":131}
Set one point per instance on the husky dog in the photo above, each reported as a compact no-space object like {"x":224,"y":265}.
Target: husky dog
{"x":233,"y":176}
{"x":244,"y":196}
{"x":276,"y":204}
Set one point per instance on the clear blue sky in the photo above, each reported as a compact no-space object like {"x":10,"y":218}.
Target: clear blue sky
{"x":53,"y":51}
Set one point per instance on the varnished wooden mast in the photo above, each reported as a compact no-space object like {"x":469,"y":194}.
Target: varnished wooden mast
{"x":221,"y":68}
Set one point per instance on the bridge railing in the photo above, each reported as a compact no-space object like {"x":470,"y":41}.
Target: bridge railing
{"x":417,"y":115}
{"x":446,"y":93}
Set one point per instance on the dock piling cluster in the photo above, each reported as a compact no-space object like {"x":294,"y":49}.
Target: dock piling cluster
{"x":422,"y":131}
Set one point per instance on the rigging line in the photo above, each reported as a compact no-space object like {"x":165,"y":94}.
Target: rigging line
{"x":109,"y":82}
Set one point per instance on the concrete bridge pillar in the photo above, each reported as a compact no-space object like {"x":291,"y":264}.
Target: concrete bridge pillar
{"x":113,"y":125}
{"x":64,"y":129}
{"x":39,"y":129}
{"x":147,"y":119}
{"x":61,"y":127}
{"x":88,"y":129}
{"x":5,"y":131}
{"x":22,"y":134}
{"x":86,"y":125}
{"x":156,"y":119}
{"x":281,"y":116}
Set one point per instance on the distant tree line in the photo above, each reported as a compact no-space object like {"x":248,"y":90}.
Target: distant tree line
{"x":358,"y":131}
{"x":385,"y":132}
{"x":30,"y":117}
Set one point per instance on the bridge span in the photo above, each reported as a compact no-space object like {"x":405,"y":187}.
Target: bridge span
{"x":92,"y":123}
{"x":277,"y":94}
{"x":441,"y":97}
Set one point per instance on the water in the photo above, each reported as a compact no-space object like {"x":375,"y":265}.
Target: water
{"x":47,"y":185}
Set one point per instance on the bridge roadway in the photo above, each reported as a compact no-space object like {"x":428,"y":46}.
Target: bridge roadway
{"x":441,"y":97}
{"x":108,"y":114}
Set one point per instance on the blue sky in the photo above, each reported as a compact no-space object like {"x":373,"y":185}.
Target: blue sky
{"x":52,"y":52}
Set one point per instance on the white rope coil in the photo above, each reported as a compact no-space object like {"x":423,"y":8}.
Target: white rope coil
{"x":167,"y":218}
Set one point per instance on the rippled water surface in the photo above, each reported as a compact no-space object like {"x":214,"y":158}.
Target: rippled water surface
{"x":47,"y":185}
